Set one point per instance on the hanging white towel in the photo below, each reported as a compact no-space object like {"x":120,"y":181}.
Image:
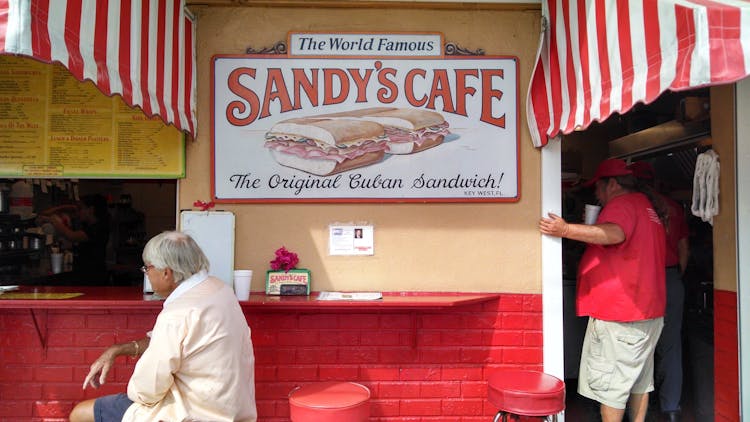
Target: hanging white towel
{"x":706,"y":187}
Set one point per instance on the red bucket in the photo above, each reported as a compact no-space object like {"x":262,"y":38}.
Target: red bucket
{"x":330,"y":402}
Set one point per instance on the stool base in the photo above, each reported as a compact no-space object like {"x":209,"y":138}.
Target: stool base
{"x":503,"y":417}
{"x":518,"y":393}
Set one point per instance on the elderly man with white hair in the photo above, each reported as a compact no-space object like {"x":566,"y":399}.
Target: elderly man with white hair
{"x":197,"y":363}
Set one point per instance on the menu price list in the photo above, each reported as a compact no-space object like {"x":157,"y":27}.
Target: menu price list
{"x":139,"y":147}
{"x":53,"y":125}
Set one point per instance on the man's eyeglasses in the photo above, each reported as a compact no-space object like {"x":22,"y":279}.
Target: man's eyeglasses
{"x":145,"y":268}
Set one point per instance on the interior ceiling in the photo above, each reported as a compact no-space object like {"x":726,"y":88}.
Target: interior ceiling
{"x":674,"y":163}
{"x":642,"y":116}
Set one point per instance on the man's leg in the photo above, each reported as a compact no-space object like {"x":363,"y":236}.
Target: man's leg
{"x":638,"y":407}
{"x":83,"y":412}
{"x":669,"y":347}
{"x":611,"y":414}
{"x":598,"y":378}
{"x":105,"y":408}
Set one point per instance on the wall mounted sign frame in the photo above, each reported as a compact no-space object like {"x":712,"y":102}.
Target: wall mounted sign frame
{"x":54,"y":126}
{"x":280,"y":122}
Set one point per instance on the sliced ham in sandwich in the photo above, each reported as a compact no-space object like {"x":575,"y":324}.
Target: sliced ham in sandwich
{"x":409,"y":130}
{"x":324,"y":146}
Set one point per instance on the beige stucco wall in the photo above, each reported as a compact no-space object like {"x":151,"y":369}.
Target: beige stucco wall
{"x":723,"y":131}
{"x":492,"y":247}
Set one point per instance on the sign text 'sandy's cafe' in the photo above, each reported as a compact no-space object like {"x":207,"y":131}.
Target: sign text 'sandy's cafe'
{"x":365,"y":117}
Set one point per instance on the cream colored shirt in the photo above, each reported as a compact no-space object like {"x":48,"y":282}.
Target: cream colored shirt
{"x":199,"y":363}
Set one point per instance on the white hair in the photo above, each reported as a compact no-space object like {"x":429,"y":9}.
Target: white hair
{"x":177,"y":251}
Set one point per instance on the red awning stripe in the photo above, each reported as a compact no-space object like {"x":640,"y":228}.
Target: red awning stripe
{"x":121,"y":64}
{"x":4,"y":12}
{"x":599,"y":57}
{"x":175,"y":62}
{"x":583,"y":111}
{"x":40,"y":33}
{"x":72,"y":19}
{"x":652,"y":49}
{"x":187,"y":82}
{"x":144,"y":31}
{"x":100,"y":46}
{"x":142,"y":50}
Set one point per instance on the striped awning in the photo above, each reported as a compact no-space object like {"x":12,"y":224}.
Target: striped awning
{"x":143,"y":50}
{"x":599,"y":57}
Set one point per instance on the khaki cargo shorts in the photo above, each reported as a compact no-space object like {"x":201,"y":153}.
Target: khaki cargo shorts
{"x":617,"y":359}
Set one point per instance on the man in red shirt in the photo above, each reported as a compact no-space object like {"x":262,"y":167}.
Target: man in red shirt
{"x":621,"y":289}
{"x":669,"y":347}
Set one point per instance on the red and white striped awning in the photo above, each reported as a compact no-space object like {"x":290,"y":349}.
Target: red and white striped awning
{"x":598,"y":57}
{"x":143,"y":50}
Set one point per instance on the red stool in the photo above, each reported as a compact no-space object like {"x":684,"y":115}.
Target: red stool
{"x":525,"y":393}
{"x":330,"y":402}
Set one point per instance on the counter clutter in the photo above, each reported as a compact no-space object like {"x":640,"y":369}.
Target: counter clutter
{"x":284,"y":278}
{"x":350,"y":296}
{"x":28,"y":253}
{"x":18,"y":245}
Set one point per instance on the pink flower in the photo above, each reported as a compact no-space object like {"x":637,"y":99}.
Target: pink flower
{"x":284,"y":260}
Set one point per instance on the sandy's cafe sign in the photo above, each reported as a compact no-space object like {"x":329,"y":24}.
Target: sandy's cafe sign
{"x":364,"y":117}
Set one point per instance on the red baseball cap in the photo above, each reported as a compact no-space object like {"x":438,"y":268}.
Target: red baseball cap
{"x":610,"y":168}
{"x":642,"y":170}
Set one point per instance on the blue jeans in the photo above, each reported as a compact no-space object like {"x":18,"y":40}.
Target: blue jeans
{"x":668,"y":374}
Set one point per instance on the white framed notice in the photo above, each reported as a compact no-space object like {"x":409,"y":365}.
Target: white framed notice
{"x":351,"y":239}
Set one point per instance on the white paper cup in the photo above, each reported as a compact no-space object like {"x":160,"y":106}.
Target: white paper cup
{"x":242,"y":279}
{"x":56,"y":260}
{"x":147,"y":288}
{"x":592,"y":213}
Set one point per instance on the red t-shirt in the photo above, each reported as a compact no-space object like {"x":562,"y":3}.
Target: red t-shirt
{"x":677,"y":230}
{"x":626,"y":281}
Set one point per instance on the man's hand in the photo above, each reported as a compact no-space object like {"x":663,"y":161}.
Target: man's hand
{"x":554,"y":226}
{"x":100,"y":368}
{"x":597,"y":234}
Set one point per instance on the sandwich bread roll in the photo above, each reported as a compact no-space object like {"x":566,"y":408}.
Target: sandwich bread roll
{"x":323,"y":146}
{"x":410,"y":130}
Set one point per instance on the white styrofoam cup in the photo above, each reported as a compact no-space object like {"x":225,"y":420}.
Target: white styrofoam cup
{"x":242,"y":279}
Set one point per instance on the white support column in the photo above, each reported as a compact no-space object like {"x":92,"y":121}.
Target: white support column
{"x":552,"y":287}
{"x":742,"y":192}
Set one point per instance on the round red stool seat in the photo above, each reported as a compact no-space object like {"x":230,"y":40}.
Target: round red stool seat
{"x":526,"y":393}
{"x":330,"y":402}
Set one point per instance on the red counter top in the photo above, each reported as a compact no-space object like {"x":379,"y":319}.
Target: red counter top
{"x":390,"y":300}
{"x":91,"y":298}
{"x":133,"y":298}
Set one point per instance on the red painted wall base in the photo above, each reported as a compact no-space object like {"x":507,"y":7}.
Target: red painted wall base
{"x":726,"y":360}
{"x":421,"y":365}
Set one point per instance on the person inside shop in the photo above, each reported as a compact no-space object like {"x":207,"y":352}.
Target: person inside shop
{"x":620,"y":288}
{"x":197,"y":363}
{"x":88,"y":231}
{"x":668,"y":358}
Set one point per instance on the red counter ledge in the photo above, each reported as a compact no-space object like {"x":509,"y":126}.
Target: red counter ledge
{"x":390,"y":300}
{"x":72,"y":297}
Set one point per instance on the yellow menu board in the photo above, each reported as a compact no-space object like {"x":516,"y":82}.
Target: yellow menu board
{"x":52,"y":125}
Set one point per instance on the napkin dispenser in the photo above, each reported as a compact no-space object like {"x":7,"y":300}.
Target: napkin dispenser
{"x":292,"y":282}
